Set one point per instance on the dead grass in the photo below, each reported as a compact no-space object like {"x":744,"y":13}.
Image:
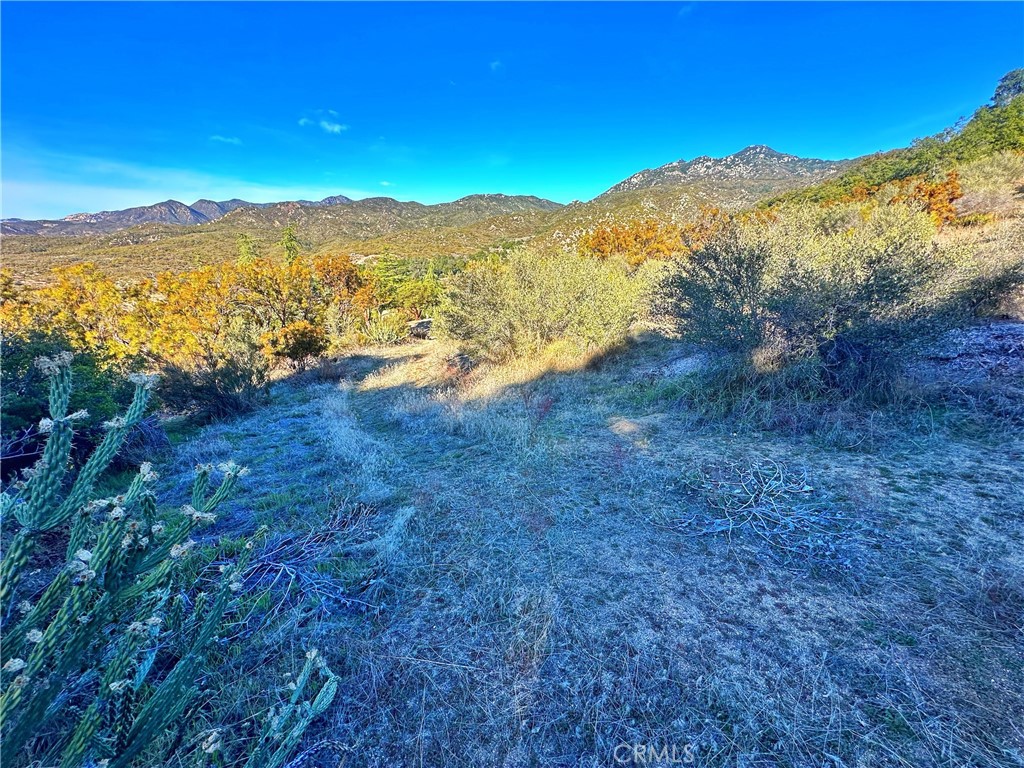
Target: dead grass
{"x":528,"y":605}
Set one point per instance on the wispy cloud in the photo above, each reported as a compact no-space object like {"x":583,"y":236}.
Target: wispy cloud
{"x":324,"y":118}
{"x":386,"y":184}
{"x":226,"y":139}
{"x":496,"y":65}
{"x":685,"y":10}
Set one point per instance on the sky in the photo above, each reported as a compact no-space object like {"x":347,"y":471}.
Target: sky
{"x":107,"y":106}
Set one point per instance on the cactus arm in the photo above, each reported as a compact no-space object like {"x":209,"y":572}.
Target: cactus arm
{"x":201,"y":485}
{"x":112,"y":691}
{"x":308,"y":714}
{"x":14,"y":640}
{"x":13,"y":566}
{"x":100,"y":459}
{"x":282,"y":728}
{"x":44,"y":486}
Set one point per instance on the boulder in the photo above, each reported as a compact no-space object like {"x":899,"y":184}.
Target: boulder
{"x":420,"y":329}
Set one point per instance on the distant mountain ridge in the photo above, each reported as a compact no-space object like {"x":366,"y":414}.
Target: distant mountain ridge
{"x":213,"y":210}
{"x":376,"y":216}
{"x":167,"y":212}
{"x":757,"y":163}
{"x":464,"y":210}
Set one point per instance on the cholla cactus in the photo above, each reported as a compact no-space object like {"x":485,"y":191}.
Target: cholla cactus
{"x":76,"y":663}
{"x":285,"y":727}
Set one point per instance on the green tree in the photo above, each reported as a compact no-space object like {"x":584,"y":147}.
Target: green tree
{"x":418,"y":295}
{"x":1010,"y":87}
{"x":248,"y":248}
{"x":290,"y":243}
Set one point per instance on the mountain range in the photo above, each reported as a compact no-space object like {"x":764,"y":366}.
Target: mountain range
{"x":171,"y":235}
{"x":758,"y":166}
{"x":167,"y":212}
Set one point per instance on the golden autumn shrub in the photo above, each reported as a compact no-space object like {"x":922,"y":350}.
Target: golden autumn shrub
{"x":211,"y":329}
{"x":936,"y":198}
{"x":295,"y":343}
{"x":635,"y":242}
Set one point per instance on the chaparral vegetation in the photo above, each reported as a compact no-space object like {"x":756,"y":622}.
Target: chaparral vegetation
{"x":515,"y":484}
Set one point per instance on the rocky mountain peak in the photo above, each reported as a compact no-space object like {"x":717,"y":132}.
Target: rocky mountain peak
{"x":756,"y":163}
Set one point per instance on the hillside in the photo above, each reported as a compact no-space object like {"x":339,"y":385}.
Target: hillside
{"x":676,"y":191}
{"x":994,"y":127}
{"x":377,"y":216}
{"x":168,"y":212}
{"x":473,"y":223}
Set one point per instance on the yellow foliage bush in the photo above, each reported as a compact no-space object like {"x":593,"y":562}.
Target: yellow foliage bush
{"x":197,"y":323}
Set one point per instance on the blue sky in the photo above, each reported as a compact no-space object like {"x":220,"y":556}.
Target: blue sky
{"x":111,"y":105}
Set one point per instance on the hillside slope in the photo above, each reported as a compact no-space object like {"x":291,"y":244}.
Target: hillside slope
{"x":168,"y":212}
{"x":464,"y":226}
{"x":675,"y":192}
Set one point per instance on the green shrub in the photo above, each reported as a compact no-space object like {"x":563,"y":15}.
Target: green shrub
{"x":110,"y":653}
{"x":846,"y":286}
{"x":231,"y":385}
{"x":973,"y":220}
{"x":992,"y":281}
{"x":384,"y":328}
{"x":719,"y":293}
{"x":990,"y":187}
{"x":505,"y":308}
{"x":869,"y":277}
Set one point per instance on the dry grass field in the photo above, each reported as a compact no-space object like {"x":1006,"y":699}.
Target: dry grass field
{"x":537,"y":563}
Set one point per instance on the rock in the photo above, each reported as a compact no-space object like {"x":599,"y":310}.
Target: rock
{"x":988,"y":351}
{"x":458,"y":364}
{"x":420,"y":329}
{"x":678,"y":367}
